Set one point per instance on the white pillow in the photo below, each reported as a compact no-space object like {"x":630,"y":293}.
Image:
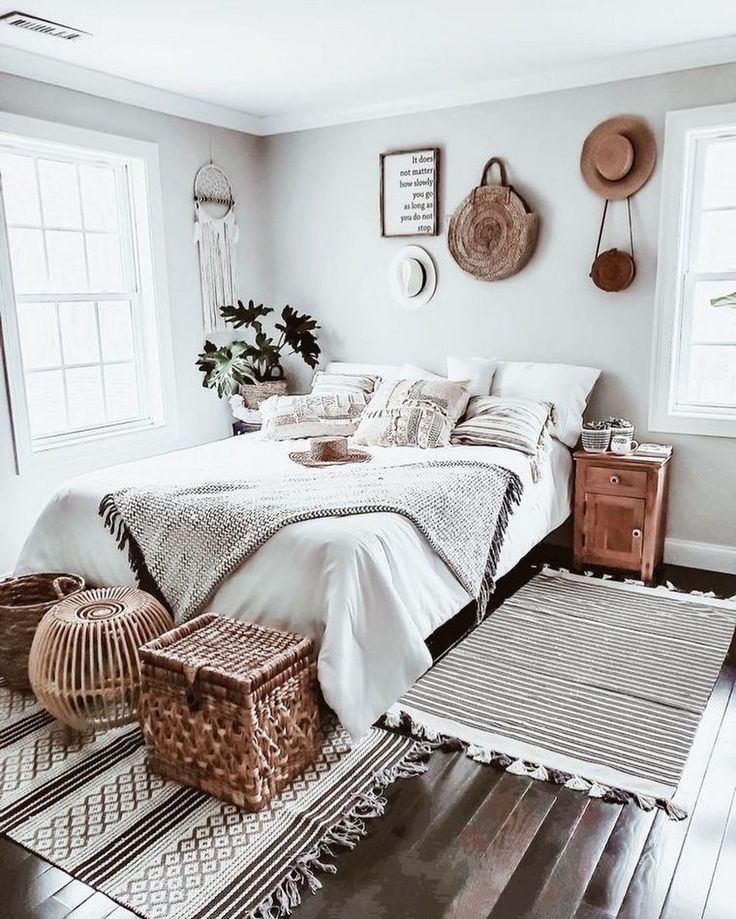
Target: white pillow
{"x":477,"y":370}
{"x":413,"y":372}
{"x":326,"y":382}
{"x":565,"y":385}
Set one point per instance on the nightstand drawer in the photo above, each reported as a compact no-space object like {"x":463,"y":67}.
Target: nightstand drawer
{"x":604,"y":479}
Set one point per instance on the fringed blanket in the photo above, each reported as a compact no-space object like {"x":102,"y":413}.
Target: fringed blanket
{"x":183,"y":541}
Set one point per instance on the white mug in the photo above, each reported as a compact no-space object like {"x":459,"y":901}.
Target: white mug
{"x":623,"y":443}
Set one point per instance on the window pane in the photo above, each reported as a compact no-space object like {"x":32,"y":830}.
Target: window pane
{"x":103,"y":252}
{"x":19,"y":189}
{"x":719,"y":188}
{"x":717,"y":243}
{"x":59,"y":194}
{"x":39,"y":335}
{"x":121,"y":392}
{"x":98,"y":197}
{"x":713,"y":323}
{"x":27,"y":260}
{"x":66,"y":261}
{"x":84,"y":394}
{"x":45,"y":395}
{"x":712,"y":377}
{"x":116,"y":330}
{"x":79,"y":333}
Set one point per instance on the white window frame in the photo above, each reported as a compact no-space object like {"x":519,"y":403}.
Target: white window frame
{"x":126,"y":440}
{"x":684,"y":130}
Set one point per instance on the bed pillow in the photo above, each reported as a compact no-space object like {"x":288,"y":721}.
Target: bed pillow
{"x":516,"y":424}
{"x":413,"y":413}
{"x":478,"y":370}
{"x":565,"y":385}
{"x":313,"y":415}
{"x":326,"y":382}
{"x":414,"y":372}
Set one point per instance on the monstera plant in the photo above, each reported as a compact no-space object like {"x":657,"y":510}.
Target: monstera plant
{"x":228,"y":367}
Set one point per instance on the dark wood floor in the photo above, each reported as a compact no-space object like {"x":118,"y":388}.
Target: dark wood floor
{"x":470,"y":841}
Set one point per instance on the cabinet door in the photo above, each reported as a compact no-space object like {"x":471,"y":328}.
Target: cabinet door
{"x":613,"y":530}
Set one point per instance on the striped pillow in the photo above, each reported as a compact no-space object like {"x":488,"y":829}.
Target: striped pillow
{"x":412,"y":413}
{"x":324,"y":382}
{"x":313,"y":415}
{"x":517,"y":424}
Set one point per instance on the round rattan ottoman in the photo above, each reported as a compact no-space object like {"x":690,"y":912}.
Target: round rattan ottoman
{"x":84,"y":666}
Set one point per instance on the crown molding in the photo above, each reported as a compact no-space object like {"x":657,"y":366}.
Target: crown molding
{"x":22,"y":63}
{"x":688,"y":56}
{"x":671,"y":58}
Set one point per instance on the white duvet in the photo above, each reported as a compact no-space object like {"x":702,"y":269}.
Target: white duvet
{"x":368,"y":587}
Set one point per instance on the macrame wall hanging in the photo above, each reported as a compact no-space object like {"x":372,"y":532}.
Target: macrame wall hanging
{"x":216,"y":232}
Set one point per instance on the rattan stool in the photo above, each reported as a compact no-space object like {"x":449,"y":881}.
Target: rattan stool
{"x":84,"y":666}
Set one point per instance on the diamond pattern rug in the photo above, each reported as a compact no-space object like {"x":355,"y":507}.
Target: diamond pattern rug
{"x":92,"y":807}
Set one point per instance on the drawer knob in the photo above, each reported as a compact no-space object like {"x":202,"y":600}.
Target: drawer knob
{"x":636,"y":534}
{"x":615,"y":480}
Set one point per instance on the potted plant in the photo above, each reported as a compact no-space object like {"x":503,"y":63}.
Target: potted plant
{"x":596,"y":436}
{"x":254,"y":368}
{"x":620,"y":426}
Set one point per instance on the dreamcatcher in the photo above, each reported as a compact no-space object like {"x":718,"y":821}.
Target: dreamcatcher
{"x":216,"y":232}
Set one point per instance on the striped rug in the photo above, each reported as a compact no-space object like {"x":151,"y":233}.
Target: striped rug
{"x":94,"y":809}
{"x":591,"y":683}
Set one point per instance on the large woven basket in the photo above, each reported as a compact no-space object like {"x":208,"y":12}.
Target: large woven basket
{"x":492,"y":233}
{"x":23,"y":603}
{"x":255,"y":393}
{"x":230,"y":708}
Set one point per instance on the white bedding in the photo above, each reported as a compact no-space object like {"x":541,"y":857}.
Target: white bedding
{"x":368,"y":587}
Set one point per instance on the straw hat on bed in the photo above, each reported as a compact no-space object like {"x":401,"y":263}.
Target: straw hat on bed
{"x":329,"y":451}
{"x":618,"y":157}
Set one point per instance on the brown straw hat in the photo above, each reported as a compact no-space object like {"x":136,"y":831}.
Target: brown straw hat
{"x":329,"y":451}
{"x":618,"y":157}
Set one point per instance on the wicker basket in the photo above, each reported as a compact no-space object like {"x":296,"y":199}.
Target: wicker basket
{"x":230,"y":708}
{"x":23,"y":602}
{"x":255,"y":393}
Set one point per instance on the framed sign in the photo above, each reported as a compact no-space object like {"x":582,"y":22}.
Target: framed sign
{"x":409,"y":192}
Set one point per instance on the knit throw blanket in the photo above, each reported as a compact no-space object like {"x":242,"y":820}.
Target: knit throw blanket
{"x":182,"y":541}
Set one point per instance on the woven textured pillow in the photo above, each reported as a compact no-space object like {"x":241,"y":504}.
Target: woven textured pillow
{"x":326,"y":382}
{"x":412,"y":413}
{"x":313,"y":415}
{"x":517,"y":424}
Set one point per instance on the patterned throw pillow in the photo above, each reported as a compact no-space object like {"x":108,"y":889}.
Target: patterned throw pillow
{"x":313,"y":415}
{"x":324,"y":382}
{"x":517,"y":424}
{"x":412,"y":413}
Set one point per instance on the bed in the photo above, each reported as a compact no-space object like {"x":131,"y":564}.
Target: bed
{"x":368,"y":588}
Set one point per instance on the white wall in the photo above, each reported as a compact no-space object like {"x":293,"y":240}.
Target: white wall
{"x":183,"y":147}
{"x":326,"y":250}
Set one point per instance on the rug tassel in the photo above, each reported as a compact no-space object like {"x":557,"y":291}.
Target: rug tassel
{"x":598,"y":791}
{"x":645,"y":802}
{"x":672,"y":810}
{"x":576,"y":783}
{"x":539,"y":773}
{"x":517,"y":768}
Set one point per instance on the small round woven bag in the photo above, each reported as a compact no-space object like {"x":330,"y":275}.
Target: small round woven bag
{"x":492,"y":233}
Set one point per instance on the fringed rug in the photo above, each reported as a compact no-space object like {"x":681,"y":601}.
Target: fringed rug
{"x":94,"y":809}
{"x":586,"y":682}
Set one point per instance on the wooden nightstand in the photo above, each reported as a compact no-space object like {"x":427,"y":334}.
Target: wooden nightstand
{"x":620,"y":512}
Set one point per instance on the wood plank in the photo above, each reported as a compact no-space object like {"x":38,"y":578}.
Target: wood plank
{"x":720,"y":902}
{"x":568,"y":881}
{"x":541,"y":856}
{"x":510,"y":831}
{"x":651,"y":880}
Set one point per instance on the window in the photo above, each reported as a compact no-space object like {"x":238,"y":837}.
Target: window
{"x":80,"y":318}
{"x":694,"y":383}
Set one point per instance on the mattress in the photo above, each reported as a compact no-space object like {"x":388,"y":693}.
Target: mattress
{"x":368,"y":588}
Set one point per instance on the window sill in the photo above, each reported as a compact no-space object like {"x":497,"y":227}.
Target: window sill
{"x":698,"y":424}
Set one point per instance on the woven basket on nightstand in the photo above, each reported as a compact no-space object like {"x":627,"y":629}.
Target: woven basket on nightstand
{"x":255,"y":393}
{"x":230,"y":708}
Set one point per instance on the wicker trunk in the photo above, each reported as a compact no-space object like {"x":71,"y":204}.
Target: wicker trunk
{"x":230,"y":708}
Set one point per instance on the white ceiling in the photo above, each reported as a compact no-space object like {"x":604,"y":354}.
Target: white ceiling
{"x":280,"y":65}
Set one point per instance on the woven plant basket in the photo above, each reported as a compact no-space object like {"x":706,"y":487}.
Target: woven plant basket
{"x":255,"y":393}
{"x":492,"y":233}
{"x":230,"y":708}
{"x":596,"y":441}
{"x":23,"y":603}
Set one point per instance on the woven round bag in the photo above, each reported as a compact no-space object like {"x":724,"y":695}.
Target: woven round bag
{"x":492,"y":233}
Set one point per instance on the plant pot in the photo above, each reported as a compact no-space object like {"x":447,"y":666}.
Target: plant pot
{"x":255,"y":393}
{"x":596,"y":441}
